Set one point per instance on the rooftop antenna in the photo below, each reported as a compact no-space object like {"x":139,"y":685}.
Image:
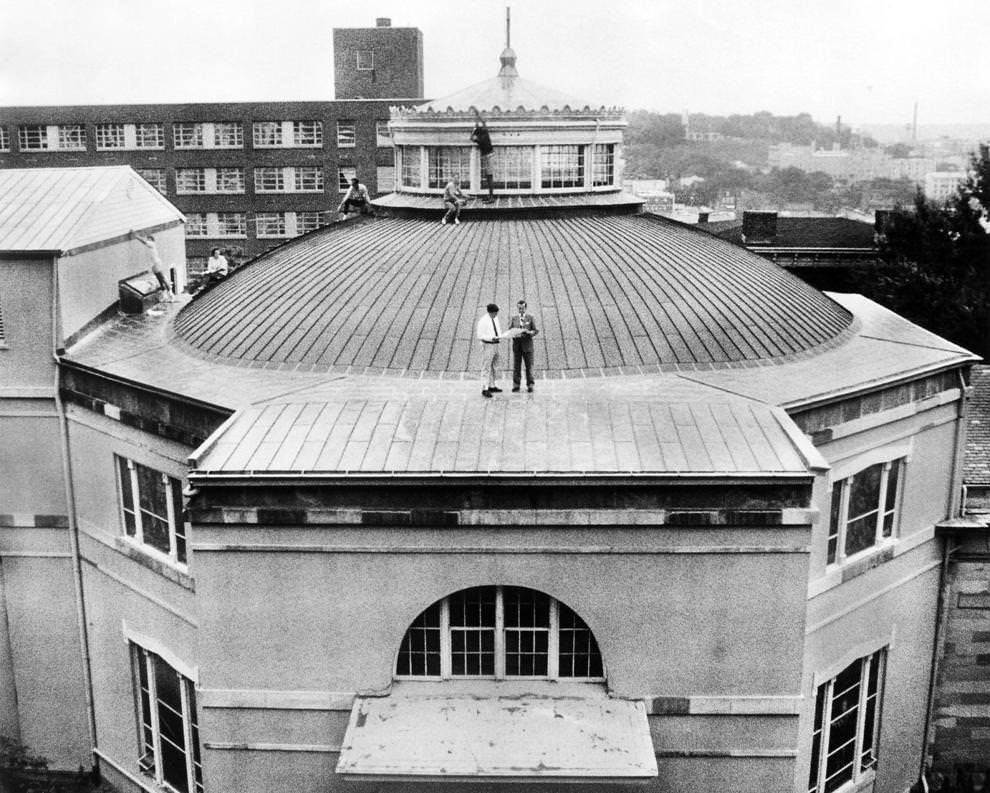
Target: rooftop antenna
{"x":508,"y":35}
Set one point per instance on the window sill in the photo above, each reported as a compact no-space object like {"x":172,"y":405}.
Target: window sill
{"x":165,"y":569}
{"x":837,"y":574}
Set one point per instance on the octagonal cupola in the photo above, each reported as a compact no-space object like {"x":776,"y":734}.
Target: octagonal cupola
{"x":546,"y":143}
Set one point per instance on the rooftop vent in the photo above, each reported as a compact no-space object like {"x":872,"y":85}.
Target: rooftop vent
{"x":138,"y":293}
{"x":383,"y":22}
{"x":759,"y":228}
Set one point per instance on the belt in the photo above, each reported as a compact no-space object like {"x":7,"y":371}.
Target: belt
{"x":492,"y":341}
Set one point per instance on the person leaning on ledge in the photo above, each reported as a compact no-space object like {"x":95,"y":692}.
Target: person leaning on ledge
{"x":488,"y":334}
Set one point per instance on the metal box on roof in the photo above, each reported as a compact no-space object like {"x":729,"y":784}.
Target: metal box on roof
{"x":137,"y":293}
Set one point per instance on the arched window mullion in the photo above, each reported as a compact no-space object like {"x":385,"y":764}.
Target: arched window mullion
{"x":553,"y":641}
{"x":445,"y":672}
{"x":499,"y":634}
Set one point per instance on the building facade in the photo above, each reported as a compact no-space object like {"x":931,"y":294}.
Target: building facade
{"x":702,"y":554}
{"x":247,"y":175}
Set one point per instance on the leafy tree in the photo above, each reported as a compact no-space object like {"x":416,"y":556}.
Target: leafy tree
{"x":936,"y":262}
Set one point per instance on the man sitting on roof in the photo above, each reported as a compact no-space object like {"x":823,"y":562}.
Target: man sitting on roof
{"x":357,"y":197}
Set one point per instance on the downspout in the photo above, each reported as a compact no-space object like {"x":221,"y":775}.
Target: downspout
{"x":70,"y":502}
{"x":955,"y":507}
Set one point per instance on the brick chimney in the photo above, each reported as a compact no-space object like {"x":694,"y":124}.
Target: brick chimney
{"x":759,"y":228}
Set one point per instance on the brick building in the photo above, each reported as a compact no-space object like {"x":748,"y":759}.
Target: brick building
{"x":247,"y":175}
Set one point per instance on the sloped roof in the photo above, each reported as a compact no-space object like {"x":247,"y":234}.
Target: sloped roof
{"x":976,"y":470}
{"x":805,"y":232}
{"x":506,"y":94}
{"x":60,"y":209}
{"x":455,"y":434}
{"x":611,"y":294}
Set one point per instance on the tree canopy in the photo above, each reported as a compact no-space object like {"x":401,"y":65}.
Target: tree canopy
{"x":936,"y":262}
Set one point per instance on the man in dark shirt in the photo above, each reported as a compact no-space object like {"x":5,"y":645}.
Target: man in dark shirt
{"x":483,"y":141}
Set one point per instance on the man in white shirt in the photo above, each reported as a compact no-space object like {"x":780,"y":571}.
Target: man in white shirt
{"x":356,"y":197}
{"x":216,"y":266}
{"x":488,"y":334}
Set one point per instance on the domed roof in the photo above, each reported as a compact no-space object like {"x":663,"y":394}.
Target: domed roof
{"x":611,"y":294}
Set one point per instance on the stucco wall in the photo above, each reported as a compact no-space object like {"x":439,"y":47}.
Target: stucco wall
{"x":88,"y":282}
{"x":26,"y":351}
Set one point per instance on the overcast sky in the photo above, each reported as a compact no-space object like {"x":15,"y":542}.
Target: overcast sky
{"x":866,"y":60}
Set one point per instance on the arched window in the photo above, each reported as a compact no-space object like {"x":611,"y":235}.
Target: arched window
{"x":499,"y":632}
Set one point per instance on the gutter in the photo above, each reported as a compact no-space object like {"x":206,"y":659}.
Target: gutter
{"x":70,"y":503}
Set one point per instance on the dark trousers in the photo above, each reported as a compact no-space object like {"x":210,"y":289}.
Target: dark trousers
{"x":522,"y":355}
{"x":357,"y":203}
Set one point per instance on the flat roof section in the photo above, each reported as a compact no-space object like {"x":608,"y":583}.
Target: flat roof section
{"x":580,"y":736}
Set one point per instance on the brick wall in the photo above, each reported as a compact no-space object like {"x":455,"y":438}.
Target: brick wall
{"x":962,"y":708}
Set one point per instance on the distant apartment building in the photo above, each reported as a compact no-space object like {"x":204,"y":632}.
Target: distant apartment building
{"x":246,"y":175}
{"x":941,"y":185}
{"x":850,"y":165}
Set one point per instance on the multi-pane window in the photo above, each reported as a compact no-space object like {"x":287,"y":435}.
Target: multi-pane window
{"x":151,"y":507}
{"x":365,"y":60}
{"x":499,"y":632}
{"x":187,"y":135}
{"x":309,"y":179}
{"x":190,"y":180}
{"x":4,"y":139}
{"x":150,"y":135}
{"x":863,"y":509}
{"x":344,"y":176}
{"x":383,"y":135}
{"x":231,"y":224}
{"x":346,"y":134}
{"x":228,"y":135}
{"x":3,"y":336}
{"x":155,"y":177}
{"x":410,"y":158}
{"x":196,"y":224}
{"x":512,"y":167}
{"x":270,"y":224}
{"x":269,"y":180}
{"x":602,"y":164}
{"x":230,"y":180}
{"x":32,"y":137}
{"x":847,"y":715}
{"x":267,"y":133}
{"x":561,"y":166}
{"x":72,"y":137}
{"x":110,"y":136}
{"x":168,"y":727}
{"x":449,"y":162}
{"x":310,"y":221}
{"x":307,"y":133}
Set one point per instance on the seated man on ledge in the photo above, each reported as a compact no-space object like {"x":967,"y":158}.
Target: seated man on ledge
{"x":356,"y":197}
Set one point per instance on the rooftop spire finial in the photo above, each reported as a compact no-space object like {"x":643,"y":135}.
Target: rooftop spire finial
{"x":508,"y":57}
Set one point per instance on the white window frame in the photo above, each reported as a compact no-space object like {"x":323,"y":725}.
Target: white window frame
{"x":278,"y":218}
{"x":346,"y":133}
{"x":221,"y":127}
{"x":368,"y":63}
{"x":261,"y":131}
{"x":193,"y":140}
{"x":231,"y":225}
{"x":838,"y":506}
{"x":186,"y":176}
{"x":860,"y":771}
{"x":344,"y":175}
{"x":111,"y":136}
{"x":146,"y":665}
{"x":383,"y":134}
{"x":269,"y":179}
{"x":307,"y":133}
{"x":155,"y":177}
{"x":4,"y":138}
{"x":32,"y":137}
{"x":499,"y":642}
{"x":197,"y":225}
{"x":71,"y":137}
{"x":305,"y":218}
{"x":173,"y":493}
{"x":226,"y":174}
{"x":304,"y":175}
{"x":149,"y":135}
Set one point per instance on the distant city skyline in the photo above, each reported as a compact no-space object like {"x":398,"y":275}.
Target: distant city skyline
{"x":868,"y":63}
